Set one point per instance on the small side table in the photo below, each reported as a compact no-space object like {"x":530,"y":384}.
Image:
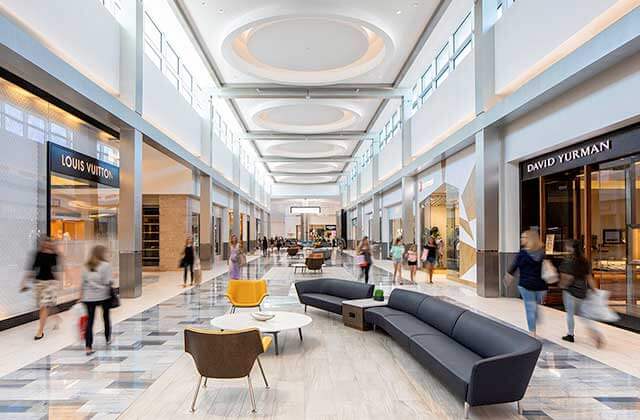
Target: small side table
{"x":353,"y":312}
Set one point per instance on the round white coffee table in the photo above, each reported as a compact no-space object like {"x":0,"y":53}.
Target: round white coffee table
{"x":281,"y":322}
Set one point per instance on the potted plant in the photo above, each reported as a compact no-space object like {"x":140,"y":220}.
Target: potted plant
{"x":378,"y":295}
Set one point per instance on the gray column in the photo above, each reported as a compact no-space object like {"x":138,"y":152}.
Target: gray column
{"x":359,"y":223}
{"x":130,"y":214}
{"x":251,"y":235}
{"x":485,"y":14}
{"x":488,"y":158}
{"x":235,"y":229}
{"x":268,"y":222}
{"x":408,"y":210}
{"x":206,"y":228}
{"x":406,"y":132}
{"x":131,"y":53}
{"x":376,"y":219}
{"x":509,"y":221}
{"x":224,"y":233}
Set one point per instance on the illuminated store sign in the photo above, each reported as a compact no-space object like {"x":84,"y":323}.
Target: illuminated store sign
{"x":600,"y":149}
{"x":69,"y":162}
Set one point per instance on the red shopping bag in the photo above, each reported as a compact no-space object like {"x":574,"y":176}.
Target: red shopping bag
{"x":82,"y":325}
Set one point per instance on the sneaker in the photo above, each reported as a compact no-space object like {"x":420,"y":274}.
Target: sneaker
{"x":568,"y":338}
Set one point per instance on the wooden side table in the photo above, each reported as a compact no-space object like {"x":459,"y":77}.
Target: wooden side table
{"x":353,"y":312}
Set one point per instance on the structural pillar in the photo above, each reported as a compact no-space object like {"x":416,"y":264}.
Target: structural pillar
{"x":224,"y":233}
{"x":131,"y":53}
{"x":376,"y":220}
{"x":206,"y":226}
{"x":359,"y":224}
{"x":251,"y":234}
{"x":235,"y":229}
{"x":488,"y":157}
{"x":408,"y":210}
{"x":130,"y":214}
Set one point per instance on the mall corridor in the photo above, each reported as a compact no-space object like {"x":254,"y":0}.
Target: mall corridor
{"x":320,"y":210}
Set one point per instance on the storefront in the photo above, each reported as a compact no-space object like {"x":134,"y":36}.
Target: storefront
{"x":59,"y":177}
{"x":591,"y":192}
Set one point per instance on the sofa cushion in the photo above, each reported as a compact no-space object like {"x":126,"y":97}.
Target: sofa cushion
{"x":446,"y":359}
{"x":348,"y":289}
{"x":489,"y":338}
{"x":406,"y":300}
{"x":376,"y":315}
{"x":403,"y":327}
{"x":323,"y":301}
{"x":439,"y":314}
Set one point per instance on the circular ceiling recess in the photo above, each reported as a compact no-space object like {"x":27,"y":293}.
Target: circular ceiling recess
{"x":305,"y":117}
{"x":306,"y":149}
{"x":309,"y":50}
{"x":305,"y":180}
{"x":306,"y":167}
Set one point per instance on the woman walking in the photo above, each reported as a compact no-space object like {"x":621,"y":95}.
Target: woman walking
{"x":364,"y":249}
{"x":397,"y":253}
{"x":234,"y":258}
{"x":575,"y":280}
{"x":97,"y":282}
{"x":412,"y":261}
{"x":429,"y":256}
{"x":532,"y":287}
{"x":265,"y":246}
{"x":188,"y":257}
{"x":45,"y":273}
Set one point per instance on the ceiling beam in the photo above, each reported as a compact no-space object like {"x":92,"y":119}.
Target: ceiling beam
{"x":309,"y":92}
{"x":335,"y":159}
{"x":276,"y":136}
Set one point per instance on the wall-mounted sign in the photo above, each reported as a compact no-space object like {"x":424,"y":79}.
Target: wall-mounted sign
{"x":600,"y":149}
{"x":71,"y":163}
{"x":330,"y":227}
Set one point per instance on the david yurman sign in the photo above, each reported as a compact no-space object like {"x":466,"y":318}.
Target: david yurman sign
{"x":69,"y":162}
{"x":611,"y":146}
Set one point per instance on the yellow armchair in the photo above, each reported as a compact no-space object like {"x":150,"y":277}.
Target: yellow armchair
{"x":246,"y":293}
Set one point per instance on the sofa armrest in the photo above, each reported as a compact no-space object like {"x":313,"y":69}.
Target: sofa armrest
{"x":501,"y":379}
{"x":309,"y":286}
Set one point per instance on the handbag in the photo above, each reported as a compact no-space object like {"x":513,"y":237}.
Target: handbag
{"x":549,"y":272}
{"x":361,"y":260}
{"x":596,"y":307}
{"x":242,"y":259}
{"x":114,"y":299}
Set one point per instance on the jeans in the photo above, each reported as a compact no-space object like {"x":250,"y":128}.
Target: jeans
{"x":531,"y":298}
{"x":365,"y":271}
{"x":188,"y":267}
{"x":572,"y":307}
{"x":91,"y":314}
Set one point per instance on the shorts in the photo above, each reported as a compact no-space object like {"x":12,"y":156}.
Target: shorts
{"x":397,"y":260}
{"x":46,"y":292}
{"x":413,"y":263}
{"x":431,"y":260}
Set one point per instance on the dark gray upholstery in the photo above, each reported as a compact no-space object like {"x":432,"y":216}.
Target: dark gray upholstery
{"x":328,"y":294}
{"x":478,"y":359}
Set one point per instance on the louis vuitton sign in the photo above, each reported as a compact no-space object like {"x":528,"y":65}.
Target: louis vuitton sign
{"x":600,"y":149}
{"x":69,"y":162}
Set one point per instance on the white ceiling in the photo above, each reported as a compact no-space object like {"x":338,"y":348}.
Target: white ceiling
{"x":308,"y":43}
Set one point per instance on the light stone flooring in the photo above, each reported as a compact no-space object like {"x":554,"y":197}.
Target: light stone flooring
{"x":336,"y":373}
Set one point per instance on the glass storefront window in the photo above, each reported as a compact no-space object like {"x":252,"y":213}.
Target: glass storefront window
{"x":440,"y":214}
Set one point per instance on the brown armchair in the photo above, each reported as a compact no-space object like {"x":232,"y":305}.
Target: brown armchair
{"x":314,"y":262}
{"x":225,"y":355}
{"x":292,"y":251}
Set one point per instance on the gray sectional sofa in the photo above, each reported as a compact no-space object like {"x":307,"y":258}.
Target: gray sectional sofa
{"x":328,"y":294}
{"x":478,"y":359}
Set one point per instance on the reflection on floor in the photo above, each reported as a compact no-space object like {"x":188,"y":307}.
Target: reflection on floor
{"x":336,"y":373}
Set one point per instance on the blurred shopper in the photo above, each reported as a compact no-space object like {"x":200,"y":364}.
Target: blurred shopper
{"x":278,"y":244}
{"x":576,"y":280}
{"x":44,"y":272}
{"x":97,"y":284}
{"x":532,"y":287}
{"x":412,"y":261}
{"x":397,"y":254}
{"x":429,"y":256}
{"x":234,"y":258}
{"x":188,"y":258}
{"x":265,"y":246}
{"x":364,"y":252}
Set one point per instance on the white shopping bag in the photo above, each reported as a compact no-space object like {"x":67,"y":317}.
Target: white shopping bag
{"x":78,"y":310}
{"x":596,"y":307}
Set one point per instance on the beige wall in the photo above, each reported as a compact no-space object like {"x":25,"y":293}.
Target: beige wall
{"x":175,"y":224}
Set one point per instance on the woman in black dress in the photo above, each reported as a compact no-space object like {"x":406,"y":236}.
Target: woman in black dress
{"x":45,"y":274}
{"x":188,"y":258}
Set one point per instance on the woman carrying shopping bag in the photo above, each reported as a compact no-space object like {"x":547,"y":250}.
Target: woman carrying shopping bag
{"x":532,"y":287}
{"x":98,"y":290}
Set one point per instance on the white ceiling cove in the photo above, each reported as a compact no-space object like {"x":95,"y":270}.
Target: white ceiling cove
{"x":344,"y":45}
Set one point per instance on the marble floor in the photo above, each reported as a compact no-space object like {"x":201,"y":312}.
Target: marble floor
{"x":336,"y":373}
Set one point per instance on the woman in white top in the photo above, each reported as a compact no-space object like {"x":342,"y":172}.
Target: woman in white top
{"x":97,"y":282}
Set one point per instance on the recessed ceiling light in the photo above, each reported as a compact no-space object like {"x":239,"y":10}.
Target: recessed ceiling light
{"x":220,"y":11}
{"x":398,"y":12}
{"x":415,"y":4}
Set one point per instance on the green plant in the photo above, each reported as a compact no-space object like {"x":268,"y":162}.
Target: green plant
{"x":378,"y":294}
